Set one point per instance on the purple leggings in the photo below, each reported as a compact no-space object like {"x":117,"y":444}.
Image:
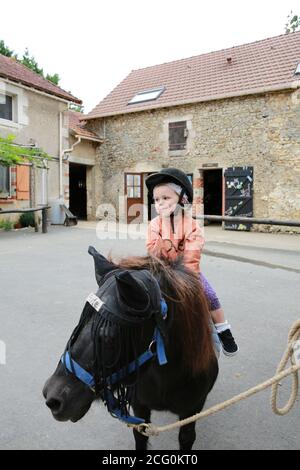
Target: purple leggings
{"x":211,"y":295}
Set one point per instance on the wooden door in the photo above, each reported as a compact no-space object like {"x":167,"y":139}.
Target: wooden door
{"x":134,"y":196}
{"x":238,"y":195}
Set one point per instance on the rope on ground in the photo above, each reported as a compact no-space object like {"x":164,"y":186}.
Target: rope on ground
{"x":294,"y":335}
{"x":149,"y":429}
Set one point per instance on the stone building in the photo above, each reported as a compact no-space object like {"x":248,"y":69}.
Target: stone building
{"x":230,"y":119}
{"x":35,"y":111}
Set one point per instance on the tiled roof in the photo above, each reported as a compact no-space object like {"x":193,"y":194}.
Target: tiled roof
{"x":77,"y":126}
{"x":264,"y":65}
{"x":16,"y":72}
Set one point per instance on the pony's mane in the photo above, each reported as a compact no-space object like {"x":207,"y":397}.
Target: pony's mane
{"x":188,"y":307}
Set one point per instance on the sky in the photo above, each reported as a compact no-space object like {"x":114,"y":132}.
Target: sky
{"x":93,"y":45}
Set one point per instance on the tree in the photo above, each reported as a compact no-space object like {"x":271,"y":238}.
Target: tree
{"x":293,"y":23}
{"x":14,"y":154}
{"x":76,"y":107}
{"x":4,"y":50}
{"x":53,"y":78}
{"x":31,"y":63}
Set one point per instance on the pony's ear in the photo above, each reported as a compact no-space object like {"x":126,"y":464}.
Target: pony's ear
{"x":102,"y":265}
{"x":132,"y":293}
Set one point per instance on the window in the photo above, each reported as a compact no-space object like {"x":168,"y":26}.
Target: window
{"x":297,"y":71}
{"x":147,"y":95}
{"x":177,"y":135}
{"x":6,"y":107}
{"x":4,"y":181}
{"x":133,"y":185}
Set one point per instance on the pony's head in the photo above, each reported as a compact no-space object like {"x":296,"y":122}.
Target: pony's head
{"x":106,"y":340}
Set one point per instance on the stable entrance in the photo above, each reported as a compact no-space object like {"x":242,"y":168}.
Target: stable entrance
{"x":78,"y":196}
{"x":213,"y":192}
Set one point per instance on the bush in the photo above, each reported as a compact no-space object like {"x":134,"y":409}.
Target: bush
{"x":27,"y":219}
{"x":6,"y":225}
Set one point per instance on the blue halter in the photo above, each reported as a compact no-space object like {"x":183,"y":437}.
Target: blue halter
{"x":112,"y":402}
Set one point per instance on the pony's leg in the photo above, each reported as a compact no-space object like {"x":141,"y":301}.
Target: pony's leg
{"x":187,"y":435}
{"x":140,"y":440}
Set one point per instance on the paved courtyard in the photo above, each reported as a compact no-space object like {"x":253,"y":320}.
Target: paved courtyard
{"x":44,"y":280}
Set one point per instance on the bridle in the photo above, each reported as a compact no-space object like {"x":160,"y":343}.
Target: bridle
{"x":112,"y":402}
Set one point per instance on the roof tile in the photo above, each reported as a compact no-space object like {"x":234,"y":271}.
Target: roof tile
{"x":268,"y":64}
{"x":76,"y":124}
{"x":13,"y":70}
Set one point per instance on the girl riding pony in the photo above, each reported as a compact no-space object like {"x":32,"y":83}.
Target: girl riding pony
{"x":175,"y":233}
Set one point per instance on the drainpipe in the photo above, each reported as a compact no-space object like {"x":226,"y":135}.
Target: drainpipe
{"x":44,"y":183}
{"x":70,"y":150}
{"x":62,"y":158}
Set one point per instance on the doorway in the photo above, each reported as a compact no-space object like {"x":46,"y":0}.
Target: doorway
{"x":134,"y":197}
{"x":78,"y":196}
{"x":213,"y":192}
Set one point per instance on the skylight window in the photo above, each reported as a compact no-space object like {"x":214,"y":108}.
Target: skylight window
{"x":297,"y":72}
{"x":147,"y":95}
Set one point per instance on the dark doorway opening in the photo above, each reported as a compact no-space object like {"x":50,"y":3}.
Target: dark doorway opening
{"x":78,"y":196}
{"x":213,"y":192}
{"x":151,"y":208}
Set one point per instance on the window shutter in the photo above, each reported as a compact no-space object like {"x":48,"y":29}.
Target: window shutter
{"x":23,"y":183}
{"x":177,"y":135}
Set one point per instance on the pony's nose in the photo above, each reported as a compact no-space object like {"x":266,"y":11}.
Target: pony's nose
{"x":54,"y":404}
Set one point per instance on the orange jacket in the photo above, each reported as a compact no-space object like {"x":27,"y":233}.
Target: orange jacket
{"x":187,"y":240}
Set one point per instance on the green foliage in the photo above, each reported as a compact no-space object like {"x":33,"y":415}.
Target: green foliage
{"x":13,"y":154}
{"x":4,"y":50}
{"x":77,"y":108}
{"x":27,"y":219}
{"x":293,"y":23}
{"x":29,"y":62}
{"x":53,"y":78}
{"x":6,"y":224}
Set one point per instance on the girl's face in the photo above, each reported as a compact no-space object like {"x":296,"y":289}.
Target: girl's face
{"x":165,"y":200}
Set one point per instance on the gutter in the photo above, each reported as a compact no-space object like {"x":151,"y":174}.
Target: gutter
{"x":35,"y":90}
{"x":93,"y":139}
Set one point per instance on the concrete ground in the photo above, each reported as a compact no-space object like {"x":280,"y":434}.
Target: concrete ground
{"x":44,"y":280}
{"x":277,"y":250}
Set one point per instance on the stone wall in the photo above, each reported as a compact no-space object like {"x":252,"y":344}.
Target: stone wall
{"x":262,"y":131}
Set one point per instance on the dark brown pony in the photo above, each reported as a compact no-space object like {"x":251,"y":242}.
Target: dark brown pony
{"x":180,"y":386}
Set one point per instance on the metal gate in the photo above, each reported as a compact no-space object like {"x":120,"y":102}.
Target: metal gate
{"x":238,"y":196}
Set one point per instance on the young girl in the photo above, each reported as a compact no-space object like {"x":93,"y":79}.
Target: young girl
{"x":174,"y":232}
